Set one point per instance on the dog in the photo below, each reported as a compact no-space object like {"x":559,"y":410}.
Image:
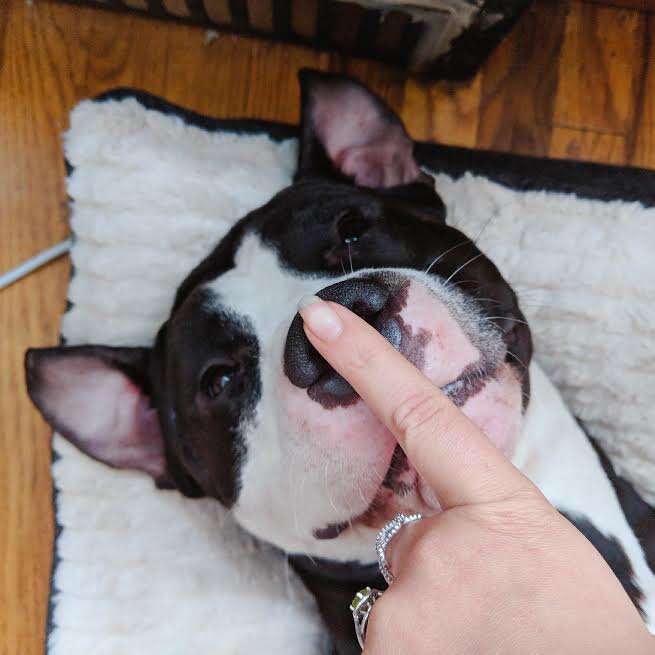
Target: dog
{"x":232,"y":402}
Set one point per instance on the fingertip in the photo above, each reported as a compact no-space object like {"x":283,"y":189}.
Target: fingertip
{"x":320,"y":318}
{"x":307,"y":301}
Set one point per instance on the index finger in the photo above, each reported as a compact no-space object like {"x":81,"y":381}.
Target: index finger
{"x":447,"y":449}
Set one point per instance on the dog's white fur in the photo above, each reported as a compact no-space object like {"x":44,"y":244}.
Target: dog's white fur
{"x":313,"y":478}
{"x":556,"y":455}
{"x":144,"y":571}
{"x":552,"y":449}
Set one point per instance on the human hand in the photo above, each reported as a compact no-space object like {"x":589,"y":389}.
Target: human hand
{"x":499,"y":570}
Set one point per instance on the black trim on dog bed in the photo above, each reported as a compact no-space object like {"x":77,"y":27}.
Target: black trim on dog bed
{"x":519,"y":172}
{"x":56,"y":559}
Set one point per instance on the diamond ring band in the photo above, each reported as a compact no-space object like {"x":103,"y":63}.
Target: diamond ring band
{"x":363,"y":602}
{"x":388,"y":532}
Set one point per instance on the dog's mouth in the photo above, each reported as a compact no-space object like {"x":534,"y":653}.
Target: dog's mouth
{"x":401,"y":482}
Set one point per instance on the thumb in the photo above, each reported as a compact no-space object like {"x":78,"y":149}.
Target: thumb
{"x":447,"y":449}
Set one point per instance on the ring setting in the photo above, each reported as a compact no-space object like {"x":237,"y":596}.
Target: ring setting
{"x":364,"y":599}
{"x":361,"y":607}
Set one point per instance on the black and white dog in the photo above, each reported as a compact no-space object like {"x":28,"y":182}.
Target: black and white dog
{"x":232,"y":402}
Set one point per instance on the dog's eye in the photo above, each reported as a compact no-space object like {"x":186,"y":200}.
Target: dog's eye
{"x":351,"y":225}
{"x":216,"y":379}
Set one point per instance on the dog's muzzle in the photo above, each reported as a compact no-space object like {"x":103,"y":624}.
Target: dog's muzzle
{"x":305,"y":368}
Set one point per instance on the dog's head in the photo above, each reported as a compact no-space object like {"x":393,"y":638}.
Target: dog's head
{"x":232,"y":401}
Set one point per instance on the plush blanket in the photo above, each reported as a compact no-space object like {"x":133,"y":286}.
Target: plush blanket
{"x":153,"y":188}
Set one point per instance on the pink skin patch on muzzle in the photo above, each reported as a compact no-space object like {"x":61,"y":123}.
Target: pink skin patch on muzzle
{"x":369,"y":475}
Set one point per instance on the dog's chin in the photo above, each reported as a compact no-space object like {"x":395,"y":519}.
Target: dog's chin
{"x":492,"y":400}
{"x":402,"y":490}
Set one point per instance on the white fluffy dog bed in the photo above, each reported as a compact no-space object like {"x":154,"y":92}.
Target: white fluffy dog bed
{"x":154,"y":188}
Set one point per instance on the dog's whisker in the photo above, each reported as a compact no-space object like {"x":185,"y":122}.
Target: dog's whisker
{"x":460,"y":282}
{"x":493,"y":300}
{"x":295,"y":496}
{"x":517,"y":358}
{"x":361,"y":492}
{"x":350,"y":257}
{"x":461,"y":243}
{"x":506,"y":318}
{"x":326,"y":485}
{"x":487,"y":223}
{"x":525,"y":292}
{"x":463,"y":266}
{"x":437,"y":259}
{"x":532,"y":305}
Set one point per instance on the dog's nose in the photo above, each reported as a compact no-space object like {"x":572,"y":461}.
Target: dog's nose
{"x":304,"y":366}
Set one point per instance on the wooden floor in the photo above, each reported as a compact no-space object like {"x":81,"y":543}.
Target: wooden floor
{"x":573,"y":80}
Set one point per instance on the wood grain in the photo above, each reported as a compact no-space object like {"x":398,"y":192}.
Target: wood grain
{"x":587,"y":145}
{"x":446,"y":112}
{"x":599,"y":68}
{"x":33,"y":217}
{"x":519,"y":83}
{"x":641,"y":140}
{"x":573,"y":81}
{"x":643,"y":5}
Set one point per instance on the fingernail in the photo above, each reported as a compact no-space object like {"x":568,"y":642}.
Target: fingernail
{"x":320,"y":318}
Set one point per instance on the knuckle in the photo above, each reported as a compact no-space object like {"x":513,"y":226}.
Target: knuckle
{"x":418,"y":414}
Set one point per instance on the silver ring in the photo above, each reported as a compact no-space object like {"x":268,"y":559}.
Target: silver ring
{"x":364,"y":599}
{"x":388,"y":532}
{"x":361,"y":607}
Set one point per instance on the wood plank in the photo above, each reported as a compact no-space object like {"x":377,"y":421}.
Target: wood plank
{"x":443,"y":111}
{"x":599,"y":69}
{"x":52,"y":55}
{"x":261,"y":14}
{"x":519,"y":82}
{"x":176,"y":7}
{"x":218,"y":11}
{"x":587,"y":145}
{"x":641,"y":141}
{"x":644,"y":153}
{"x":4,"y":18}
{"x":272,"y":80}
{"x":31,"y":193}
{"x":640,"y":5}
{"x":303,"y":18}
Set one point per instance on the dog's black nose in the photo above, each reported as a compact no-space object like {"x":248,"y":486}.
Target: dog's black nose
{"x":304,"y":366}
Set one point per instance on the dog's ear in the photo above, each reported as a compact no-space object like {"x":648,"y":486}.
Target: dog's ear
{"x":348,"y":132}
{"x":98,"y":398}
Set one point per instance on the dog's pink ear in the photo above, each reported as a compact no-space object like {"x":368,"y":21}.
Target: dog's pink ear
{"x":96,"y":397}
{"x":348,"y":130}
